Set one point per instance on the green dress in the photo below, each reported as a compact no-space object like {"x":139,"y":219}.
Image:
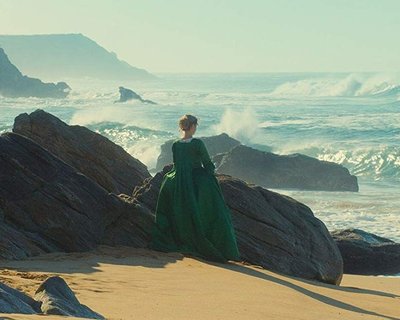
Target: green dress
{"x":191,"y":214}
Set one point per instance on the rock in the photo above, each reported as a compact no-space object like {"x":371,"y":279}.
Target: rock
{"x":58,"y":299}
{"x":273,"y":230}
{"x":13,"y":301}
{"x":128,"y":94}
{"x":14,"y":84}
{"x":215,"y":144}
{"x":48,"y":206}
{"x":60,"y":56}
{"x":366,"y":253}
{"x":295,"y":171}
{"x":90,"y":153}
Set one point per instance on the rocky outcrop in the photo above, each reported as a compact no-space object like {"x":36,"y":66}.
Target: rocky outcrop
{"x":60,"y":56}
{"x":58,"y":299}
{"x":46,"y":205}
{"x":295,"y":171}
{"x":90,"y":153}
{"x":214,"y":144}
{"x":273,"y":231}
{"x":366,"y":253}
{"x":127,"y":94}
{"x":14,"y":84}
{"x":52,"y":297}
{"x":14,"y":301}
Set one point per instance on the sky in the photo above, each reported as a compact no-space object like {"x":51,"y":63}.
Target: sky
{"x":225,"y":36}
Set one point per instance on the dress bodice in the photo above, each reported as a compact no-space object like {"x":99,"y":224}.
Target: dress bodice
{"x":191,"y":152}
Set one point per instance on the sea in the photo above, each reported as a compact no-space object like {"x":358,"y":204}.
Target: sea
{"x":352,"y":119}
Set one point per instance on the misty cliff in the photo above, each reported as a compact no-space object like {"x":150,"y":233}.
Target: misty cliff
{"x":14,"y":84}
{"x":58,"y":56}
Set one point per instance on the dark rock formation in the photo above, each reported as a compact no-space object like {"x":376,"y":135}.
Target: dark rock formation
{"x":14,"y":84}
{"x":273,"y":231}
{"x":60,"y":56}
{"x":13,"y":301}
{"x":90,"y":153}
{"x":127,"y":94}
{"x":48,"y":206}
{"x":215,"y":144}
{"x":58,"y":299}
{"x":52,"y":297}
{"x":366,"y":253}
{"x":295,"y":171}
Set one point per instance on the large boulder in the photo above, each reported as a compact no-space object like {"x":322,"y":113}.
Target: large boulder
{"x":14,"y":84}
{"x":273,"y":230}
{"x":366,"y":253}
{"x":48,"y":206}
{"x":295,"y":171}
{"x":58,"y":299}
{"x":89,"y":152}
{"x":214,"y":144}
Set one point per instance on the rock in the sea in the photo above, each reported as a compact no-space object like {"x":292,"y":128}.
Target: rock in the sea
{"x":215,"y":144}
{"x":128,"y":94}
{"x":273,"y":230}
{"x":14,"y":301}
{"x":48,"y":206}
{"x":58,"y":299}
{"x":295,"y":171}
{"x":366,"y":253}
{"x":89,"y":152}
{"x":14,"y":84}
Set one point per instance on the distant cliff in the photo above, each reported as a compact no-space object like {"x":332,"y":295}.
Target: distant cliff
{"x":60,"y":56}
{"x":14,"y":84}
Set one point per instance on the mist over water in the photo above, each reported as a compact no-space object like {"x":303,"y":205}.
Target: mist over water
{"x":350,"y":119}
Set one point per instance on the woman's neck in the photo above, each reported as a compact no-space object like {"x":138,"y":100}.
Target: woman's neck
{"x":186,"y":137}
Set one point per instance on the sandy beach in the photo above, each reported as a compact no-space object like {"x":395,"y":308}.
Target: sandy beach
{"x":129,"y":283}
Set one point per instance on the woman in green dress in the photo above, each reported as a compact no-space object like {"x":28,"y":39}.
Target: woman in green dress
{"x":191,"y":214}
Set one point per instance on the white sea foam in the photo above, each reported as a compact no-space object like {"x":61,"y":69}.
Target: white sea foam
{"x":351,"y":86}
{"x":239,"y":124}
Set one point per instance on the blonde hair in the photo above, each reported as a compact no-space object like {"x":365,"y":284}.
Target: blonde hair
{"x":186,"y":121}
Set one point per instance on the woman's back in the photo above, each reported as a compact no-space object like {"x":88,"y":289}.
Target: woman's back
{"x":191,"y":153}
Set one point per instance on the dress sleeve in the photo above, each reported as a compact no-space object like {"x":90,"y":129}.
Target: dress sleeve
{"x":173,"y":153}
{"x":205,"y":158}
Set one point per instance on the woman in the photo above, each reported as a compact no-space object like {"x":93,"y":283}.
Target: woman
{"x":191,"y":214}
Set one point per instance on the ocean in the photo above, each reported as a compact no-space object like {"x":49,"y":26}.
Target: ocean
{"x":351,"y":119}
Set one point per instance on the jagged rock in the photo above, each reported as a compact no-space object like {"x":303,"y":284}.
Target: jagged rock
{"x":128,"y":94}
{"x":215,"y":144}
{"x":14,"y":84}
{"x":58,"y":299}
{"x":48,"y":206}
{"x":273,"y":230}
{"x":295,"y":171}
{"x":366,"y":253}
{"x":90,"y":153}
{"x":13,"y":301}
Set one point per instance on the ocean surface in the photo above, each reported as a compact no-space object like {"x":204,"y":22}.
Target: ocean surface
{"x":350,"y":119}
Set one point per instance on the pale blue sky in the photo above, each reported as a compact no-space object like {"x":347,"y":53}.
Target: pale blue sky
{"x":225,"y":36}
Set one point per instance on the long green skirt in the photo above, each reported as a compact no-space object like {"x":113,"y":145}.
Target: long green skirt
{"x":192,"y":217}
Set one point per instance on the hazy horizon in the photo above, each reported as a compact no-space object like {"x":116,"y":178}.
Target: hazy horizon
{"x":225,"y":36}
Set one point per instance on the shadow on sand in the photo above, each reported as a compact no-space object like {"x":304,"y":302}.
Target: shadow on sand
{"x":53,"y":263}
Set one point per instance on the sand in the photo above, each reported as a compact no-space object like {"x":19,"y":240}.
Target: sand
{"x":128,"y":283}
